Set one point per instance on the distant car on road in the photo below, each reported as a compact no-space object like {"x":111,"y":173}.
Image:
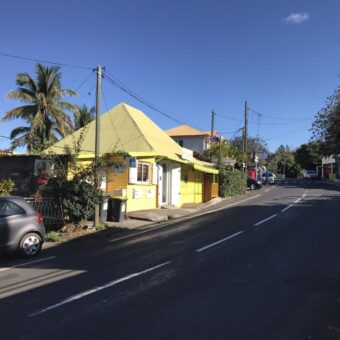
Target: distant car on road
{"x":253,"y":184}
{"x":21,"y":227}
{"x":268,"y":178}
{"x":310,"y":174}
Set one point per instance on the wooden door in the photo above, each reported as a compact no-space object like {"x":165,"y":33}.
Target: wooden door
{"x":207,"y":184}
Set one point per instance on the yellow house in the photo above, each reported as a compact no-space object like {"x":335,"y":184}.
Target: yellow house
{"x":153,"y":171}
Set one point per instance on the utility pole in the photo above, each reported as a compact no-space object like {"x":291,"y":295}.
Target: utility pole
{"x":246,"y":132}
{"x":212,"y":123}
{"x":97,"y":140}
{"x":212,"y":129}
{"x":220,"y":153}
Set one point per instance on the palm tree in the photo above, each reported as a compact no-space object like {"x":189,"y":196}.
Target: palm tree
{"x":83,"y":116}
{"x":44,"y":109}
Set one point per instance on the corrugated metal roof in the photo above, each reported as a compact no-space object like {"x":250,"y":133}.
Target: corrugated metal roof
{"x":187,"y":130}
{"x":127,"y":129}
{"x":123,"y":128}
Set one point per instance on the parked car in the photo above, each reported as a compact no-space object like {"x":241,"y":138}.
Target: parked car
{"x":253,"y":183}
{"x":268,"y":178}
{"x":310,"y":174}
{"x":21,"y":227}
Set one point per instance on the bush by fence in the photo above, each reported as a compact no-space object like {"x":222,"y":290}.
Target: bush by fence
{"x":232,"y":183}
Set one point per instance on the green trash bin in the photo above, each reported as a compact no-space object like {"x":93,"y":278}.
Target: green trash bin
{"x":116,"y":209}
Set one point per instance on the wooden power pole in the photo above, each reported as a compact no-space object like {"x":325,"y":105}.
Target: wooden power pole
{"x":97,"y":140}
{"x":212,"y":124}
{"x":246,"y":132}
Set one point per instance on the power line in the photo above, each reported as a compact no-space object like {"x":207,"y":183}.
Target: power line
{"x":228,"y":117}
{"x":283,"y":119}
{"x":287,"y":134}
{"x":85,"y":80}
{"x":114,"y":81}
{"x":44,"y":61}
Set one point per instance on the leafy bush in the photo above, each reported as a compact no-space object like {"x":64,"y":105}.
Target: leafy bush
{"x":6,"y":187}
{"x":100,"y":227}
{"x":73,"y":183}
{"x":52,"y":236}
{"x":232,"y":183}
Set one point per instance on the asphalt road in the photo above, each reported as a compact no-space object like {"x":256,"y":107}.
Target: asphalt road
{"x":266,"y":267}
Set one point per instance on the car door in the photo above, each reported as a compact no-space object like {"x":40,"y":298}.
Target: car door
{"x":11,"y":220}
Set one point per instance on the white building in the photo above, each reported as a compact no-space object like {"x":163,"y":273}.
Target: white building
{"x":191,"y":138}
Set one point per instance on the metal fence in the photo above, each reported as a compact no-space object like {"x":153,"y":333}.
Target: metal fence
{"x":51,"y":212}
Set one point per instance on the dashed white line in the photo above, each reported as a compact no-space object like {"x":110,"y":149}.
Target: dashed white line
{"x":218,"y":242}
{"x":28,"y":263}
{"x":97,"y":289}
{"x":265,"y":220}
{"x":286,"y":208}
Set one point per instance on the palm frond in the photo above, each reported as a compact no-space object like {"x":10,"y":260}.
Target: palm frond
{"x":26,"y":112}
{"x":21,"y":96}
{"x":24,"y":79}
{"x":19,"y":131}
{"x":67,"y":106}
{"x":68,"y":92}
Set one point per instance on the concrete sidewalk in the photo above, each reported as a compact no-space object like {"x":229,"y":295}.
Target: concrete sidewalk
{"x":142,"y":218}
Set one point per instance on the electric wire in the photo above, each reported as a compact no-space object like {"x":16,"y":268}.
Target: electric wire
{"x":114,"y":81}
{"x":45,"y":61}
{"x":277,"y":118}
{"x":84,"y":81}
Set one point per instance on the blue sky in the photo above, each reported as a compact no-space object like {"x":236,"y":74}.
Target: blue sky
{"x":186,"y":57}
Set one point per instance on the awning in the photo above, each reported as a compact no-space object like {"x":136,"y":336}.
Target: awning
{"x":205,"y":169}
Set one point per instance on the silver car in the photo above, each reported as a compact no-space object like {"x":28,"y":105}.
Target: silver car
{"x":21,"y":227}
{"x":268,"y":178}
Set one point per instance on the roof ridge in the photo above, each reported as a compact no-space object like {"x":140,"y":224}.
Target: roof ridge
{"x":136,"y":125}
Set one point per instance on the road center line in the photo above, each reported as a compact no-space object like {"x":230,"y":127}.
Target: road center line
{"x":182,"y":220}
{"x":97,"y":289}
{"x":218,"y":242}
{"x":265,"y":220}
{"x":286,"y":208}
{"x":28,"y":263}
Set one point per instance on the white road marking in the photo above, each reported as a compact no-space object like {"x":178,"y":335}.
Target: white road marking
{"x":28,"y":263}
{"x":266,"y":190}
{"x":97,"y":289}
{"x":218,"y":242}
{"x":265,"y":220}
{"x":298,"y":200}
{"x":286,"y":208}
{"x":166,"y":224}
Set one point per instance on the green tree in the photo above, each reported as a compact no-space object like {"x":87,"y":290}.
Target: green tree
{"x":219,"y":153}
{"x":308,"y":155}
{"x":83,"y":116}
{"x":326,"y":127}
{"x":44,"y":109}
{"x":254,"y":145}
{"x":283,"y":162}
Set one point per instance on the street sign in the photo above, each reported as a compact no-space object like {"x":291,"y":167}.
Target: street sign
{"x":263,"y":156}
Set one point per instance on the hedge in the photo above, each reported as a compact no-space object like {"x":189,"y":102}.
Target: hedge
{"x":232,"y":183}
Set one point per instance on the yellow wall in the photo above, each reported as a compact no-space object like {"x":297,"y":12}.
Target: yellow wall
{"x":191,"y":185}
{"x":121,"y":181}
{"x":81,"y":165}
{"x":143,"y":202}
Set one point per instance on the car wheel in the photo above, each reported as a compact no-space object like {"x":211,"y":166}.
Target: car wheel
{"x":30,"y":245}
{"x":252,"y":186}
